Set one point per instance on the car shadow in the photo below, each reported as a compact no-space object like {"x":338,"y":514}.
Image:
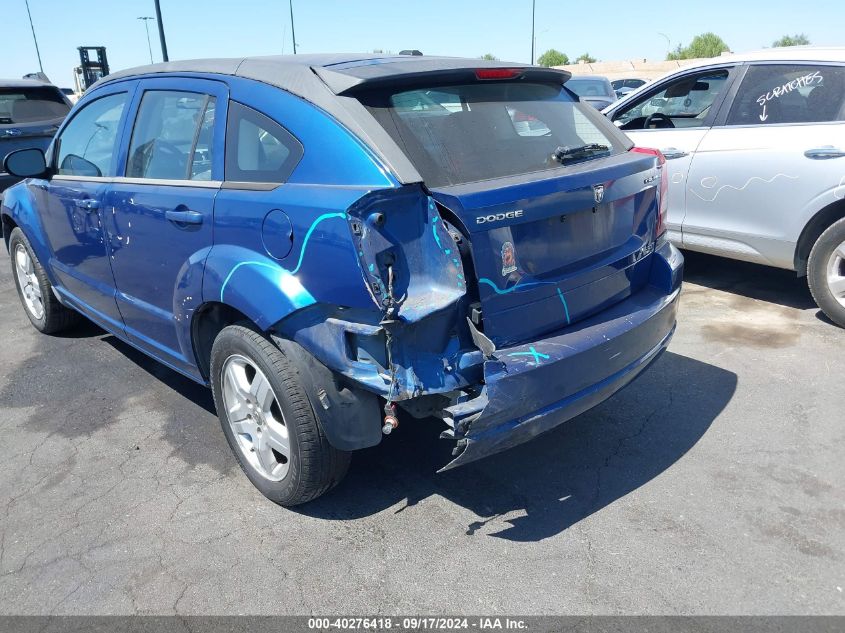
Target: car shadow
{"x":542,"y":488}
{"x":754,"y":281}
{"x":529,"y":493}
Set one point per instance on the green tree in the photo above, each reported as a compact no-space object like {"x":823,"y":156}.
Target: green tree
{"x":490,"y":57}
{"x":792,"y":40}
{"x":586,"y":58}
{"x":704,"y":45}
{"x":553,"y":58}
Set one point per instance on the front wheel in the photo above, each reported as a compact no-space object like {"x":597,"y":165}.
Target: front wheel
{"x":268,"y":420}
{"x":826,"y":272}
{"x":42,"y":308}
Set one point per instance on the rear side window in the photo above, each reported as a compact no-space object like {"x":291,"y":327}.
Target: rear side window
{"x":172,"y":136}
{"x":789,"y":93}
{"x":257,"y":148}
{"x":30,"y":105}
{"x":465,"y":133}
{"x":87,"y":144}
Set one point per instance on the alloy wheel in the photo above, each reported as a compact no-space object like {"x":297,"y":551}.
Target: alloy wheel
{"x":836,"y":274}
{"x":255,"y":417}
{"x":28,"y":282}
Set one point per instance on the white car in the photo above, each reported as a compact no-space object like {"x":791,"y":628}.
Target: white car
{"x":755,"y":150}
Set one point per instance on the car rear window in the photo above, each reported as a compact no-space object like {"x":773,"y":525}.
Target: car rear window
{"x":456,"y":134}
{"x":29,"y":105}
{"x":588,"y":87}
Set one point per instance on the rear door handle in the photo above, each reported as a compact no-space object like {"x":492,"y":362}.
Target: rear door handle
{"x":673,"y":152}
{"x":823,"y":153}
{"x":88,"y":204}
{"x":184,"y":217}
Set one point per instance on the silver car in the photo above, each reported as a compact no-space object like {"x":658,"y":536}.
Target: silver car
{"x":755,"y":145}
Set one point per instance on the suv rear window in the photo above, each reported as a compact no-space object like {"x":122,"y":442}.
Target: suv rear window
{"x":456,"y":134}
{"x":28,"y":105}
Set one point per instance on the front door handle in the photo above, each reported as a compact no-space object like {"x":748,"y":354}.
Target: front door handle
{"x":88,"y":204}
{"x":824,"y":153}
{"x":673,"y":152}
{"x":184,"y":217}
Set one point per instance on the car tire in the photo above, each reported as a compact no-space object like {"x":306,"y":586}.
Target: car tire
{"x":826,"y":272}
{"x":261,"y":402}
{"x":35,"y":291}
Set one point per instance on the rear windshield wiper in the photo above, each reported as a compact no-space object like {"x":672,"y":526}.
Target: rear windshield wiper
{"x":563,"y":153}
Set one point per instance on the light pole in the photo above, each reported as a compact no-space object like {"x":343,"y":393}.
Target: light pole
{"x":146,"y":20}
{"x":668,"y":43}
{"x":34,"y":39}
{"x":533,"y":11}
{"x":292,"y":30}
{"x":164,"y":56}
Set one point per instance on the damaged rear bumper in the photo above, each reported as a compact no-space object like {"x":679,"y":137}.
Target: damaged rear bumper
{"x":533,"y":387}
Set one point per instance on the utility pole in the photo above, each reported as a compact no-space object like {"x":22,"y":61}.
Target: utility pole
{"x":292,"y":31}
{"x":34,"y":39}
{"x":146,"y":20}
{"x":164,"y":56}
{"x":533,"y":10}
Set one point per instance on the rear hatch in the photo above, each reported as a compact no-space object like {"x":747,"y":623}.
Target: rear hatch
{"x":29,"y":116}
{"x":560,"y":217}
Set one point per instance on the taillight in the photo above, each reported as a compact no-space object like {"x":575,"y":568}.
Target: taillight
{"x":663,"y":197}
{"x":497,"y":73}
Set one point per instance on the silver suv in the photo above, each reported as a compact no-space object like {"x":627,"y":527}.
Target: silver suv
{"x":755,"y":144}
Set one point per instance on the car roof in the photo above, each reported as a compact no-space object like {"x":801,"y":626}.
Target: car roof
{"x":592,"y":77}
{"x":23,"y":83}
{"x":329,"y":81}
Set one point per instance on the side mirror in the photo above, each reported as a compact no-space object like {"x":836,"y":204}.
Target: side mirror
{"x":26,"y":163}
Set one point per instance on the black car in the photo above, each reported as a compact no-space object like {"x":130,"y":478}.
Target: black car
{"x":30,"y":113}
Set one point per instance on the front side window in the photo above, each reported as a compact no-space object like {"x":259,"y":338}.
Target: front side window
{"x":172,"y":136}
{"x":257,"y":148}
{"x":789,"y":93}
{"x":682,"y":103}
{"x":87,"y":144}
{"x":471,"y":132}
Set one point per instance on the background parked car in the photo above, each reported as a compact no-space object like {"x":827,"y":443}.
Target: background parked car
{"x":30,"y":113}
{"x":592,"y":89}
{"x":755,"y":145}
{"x":623,"y":87}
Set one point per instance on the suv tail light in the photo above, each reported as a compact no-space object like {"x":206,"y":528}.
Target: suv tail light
{"x":663,"y":196}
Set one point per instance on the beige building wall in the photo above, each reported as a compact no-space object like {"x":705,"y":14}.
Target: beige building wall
{"x":632,"y":69}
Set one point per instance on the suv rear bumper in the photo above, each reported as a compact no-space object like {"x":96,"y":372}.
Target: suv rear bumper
{"x":533,"y":387}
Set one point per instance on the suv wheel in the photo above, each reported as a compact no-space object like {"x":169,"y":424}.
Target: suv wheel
{"x":268,"y":420}
{"x":35,"y":290}
{"x":826,"y":272}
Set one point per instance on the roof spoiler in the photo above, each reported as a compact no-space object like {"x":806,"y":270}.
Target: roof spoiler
{"x":352,"y":80}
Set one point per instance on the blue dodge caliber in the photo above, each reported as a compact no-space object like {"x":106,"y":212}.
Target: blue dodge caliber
{"x":325,"y":240}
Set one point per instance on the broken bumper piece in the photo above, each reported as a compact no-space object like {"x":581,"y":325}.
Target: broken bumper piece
{"x":534,"y":387}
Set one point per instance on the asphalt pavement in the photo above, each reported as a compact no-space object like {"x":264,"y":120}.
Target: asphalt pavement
{"x":714,"y":484}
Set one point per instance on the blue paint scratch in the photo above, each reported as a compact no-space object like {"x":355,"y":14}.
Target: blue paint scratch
{"x":521,"y":286}
{"x":565,"y":307}
{"x":325,"y":216}
{"x":533,"y":353}
{"x":277,"y":267}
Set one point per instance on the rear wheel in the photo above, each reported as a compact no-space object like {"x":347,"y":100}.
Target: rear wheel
{"x":826,"y":272}
{"x":268,"y":420}
{"x":35,"y":290}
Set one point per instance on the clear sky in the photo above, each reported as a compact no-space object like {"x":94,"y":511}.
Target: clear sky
{"x":608,"y":29}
